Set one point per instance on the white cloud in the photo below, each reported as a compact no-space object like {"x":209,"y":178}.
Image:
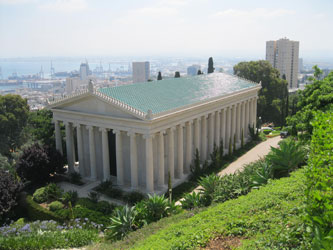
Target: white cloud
{"x":65,"y":5}
{"x":253,"y":14}
{"x":13,"y":2}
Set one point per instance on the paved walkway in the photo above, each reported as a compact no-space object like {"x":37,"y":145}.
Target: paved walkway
{"x":254,"y":154}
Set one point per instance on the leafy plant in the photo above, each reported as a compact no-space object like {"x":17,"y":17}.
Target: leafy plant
{"x":55,"y":205}
{"x":122,"y":223}
{"x":157,"y":207}
{"x":286,"y":158}
{"x":254,"y":133}
{"x":94,"y":196}
{"x":75,"y":178}
{"x":134,"y":197}
{"x":192,"y":200}
{"x":70,"y":196}
{"x":53,"y":192}
{"x":262,"y":174}
{"x":104,"y":185}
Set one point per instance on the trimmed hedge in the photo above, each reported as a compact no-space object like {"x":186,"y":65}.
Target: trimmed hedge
{"x":36,"y":212}
{"x":320,"y":182}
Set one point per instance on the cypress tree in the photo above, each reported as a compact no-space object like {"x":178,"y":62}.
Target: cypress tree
{"x":210,"y":65}
{"x":199,"y":72}
{"x":230,"y":147}
{"x":234,"y":149}
{"x":177,"y":74}
{"x":159,"y":77}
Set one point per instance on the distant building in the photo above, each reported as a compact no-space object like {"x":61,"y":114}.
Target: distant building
{"x":141,"y":71}
{"x":84,"y":71}
{"x":193,"y":70}
{"x":300,"y":65}
{"x":283,"y":55}
{"x":74,"y":84}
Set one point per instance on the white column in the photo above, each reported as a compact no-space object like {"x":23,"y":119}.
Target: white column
{"x":211,"y":133}
{"x":204,"y":137}
{"x":217,"y":128}
{"x":134,"y":160}
{"x":69,"y":147}
{"x":119,"y":157}
{"x":246,"y":118}
{"x":180,"y":147}
{"x":188,"y":146}
{"x":161,"y":171}
{"x":92,"y":153}
{"x":105,"y":151}
{"x":58,"y":136}
{"x":223,"y":126}
{"x":80,"y":149}
{"x":171,"y":153}
{"x":197,"y":134}
{"x":238,"y":123}
{"x":250,"y":113}
{"x":255,"y":112}
{"x":149,"y":163}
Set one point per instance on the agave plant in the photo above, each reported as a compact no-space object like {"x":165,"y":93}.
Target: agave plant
{"x":122,"y":223}
{"x":192,"y":200}
{"x":157,"y":207}
{"x":286,"y":158}
{"x":262,"y":174}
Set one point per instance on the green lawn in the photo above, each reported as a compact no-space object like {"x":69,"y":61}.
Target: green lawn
{"x":268,"y":218}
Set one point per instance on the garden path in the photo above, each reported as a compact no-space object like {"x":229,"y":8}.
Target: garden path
{"x":252,"y":155}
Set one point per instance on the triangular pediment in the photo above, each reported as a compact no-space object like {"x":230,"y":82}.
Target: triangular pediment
{"x":91,"y":104}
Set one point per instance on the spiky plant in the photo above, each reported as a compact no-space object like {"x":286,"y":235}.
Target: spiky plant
{"x":192,"y":200}
{"x":286,"y":158}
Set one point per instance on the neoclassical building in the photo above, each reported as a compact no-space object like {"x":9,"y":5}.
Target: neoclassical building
{"x":135,"y":134}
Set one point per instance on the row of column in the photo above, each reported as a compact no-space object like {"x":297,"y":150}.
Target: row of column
{"x":208,"y":130}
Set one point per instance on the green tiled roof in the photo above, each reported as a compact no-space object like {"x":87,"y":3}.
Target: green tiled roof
{"x":172,"y":93}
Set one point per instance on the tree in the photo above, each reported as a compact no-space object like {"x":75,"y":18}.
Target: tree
{"x":41,"y":126}
{"x":273,"y":94}
{"x":9,"y":189}
{"x":37,"y":163}
{"x":177,"y":74}
{"x":159,"y":77}
{"x":199,"y":72}
{"x":14,"y":112}
{"x":317,"y":96}
{"x":210,"y":65}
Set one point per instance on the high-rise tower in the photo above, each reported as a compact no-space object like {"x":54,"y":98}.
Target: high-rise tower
{"x":141,"y":71}
{"x":283,"y":55}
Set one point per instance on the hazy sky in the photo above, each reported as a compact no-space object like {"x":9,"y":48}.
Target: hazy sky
{"x":162,"y":27}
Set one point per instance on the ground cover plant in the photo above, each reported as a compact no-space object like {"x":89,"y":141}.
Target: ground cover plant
{"x":48,"y":234}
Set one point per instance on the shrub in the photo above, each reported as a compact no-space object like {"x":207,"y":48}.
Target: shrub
{"x":40,"y":195}
{"x":91,"y":215}
{"x":94,"y":196}
{"x":286,"y":158}
{"x":9,"y":189}
{"x":37,"y":163}
{"x":254,"y":133}
{"x":192,"y":200}
{"x":55,"y":205}
{"x":195,"y":168}
{"x":70,"y":196}
{"x":37,"y":212}
{"x":75,"y":178}
{"x":103,"y":186}
{"x":134,"y":197}
{"x":208,"y":186}
{"x":53,"y":192}
{"x":122,"y":223}
{"x":104,"y":207}
{"x":319,"y":176}
{"x":157,"y":207}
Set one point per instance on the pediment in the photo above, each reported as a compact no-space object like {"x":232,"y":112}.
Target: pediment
{"x":93,"y":105}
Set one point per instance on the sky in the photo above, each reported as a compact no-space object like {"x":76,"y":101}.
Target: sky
{"x":233,"y":28}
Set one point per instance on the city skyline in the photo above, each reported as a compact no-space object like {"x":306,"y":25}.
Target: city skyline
{"x":164,"y":27}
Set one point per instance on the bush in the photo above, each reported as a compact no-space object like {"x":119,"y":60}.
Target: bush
{"x":37,"y":212}
{"x":134,"y":197}
{"x":319,"y":176}
{"x":103,"y":186}
{"x":94,"y":196}
{"x":75,"y":178}
{"x":192,"y":200}
{"x":70,"y":196}
{"x":286,"y":158}
{"x":9,"y":189}
{"x":37,"y":163}
{"x":55,"y":205}
{"x":122,"y":223}
{"x":91,"y":215}
{"x":154,"y":208}
{"x":53,"y":192}
{"x":40,"y":195}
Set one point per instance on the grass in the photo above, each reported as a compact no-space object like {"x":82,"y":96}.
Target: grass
{"x":267,"y":218}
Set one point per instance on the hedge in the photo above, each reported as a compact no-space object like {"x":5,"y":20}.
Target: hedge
{"x":320,"y":181}
{"x":37,"y":212}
